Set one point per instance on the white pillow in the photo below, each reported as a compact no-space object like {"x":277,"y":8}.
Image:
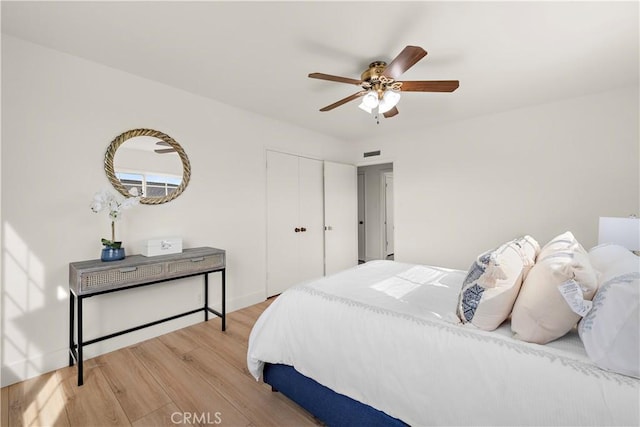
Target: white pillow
{"x":493,"y":282}
{"x":561,"y":242}
{"x":610,"y":331}
{"x":613,"y":260}
{"x":541,"y":314}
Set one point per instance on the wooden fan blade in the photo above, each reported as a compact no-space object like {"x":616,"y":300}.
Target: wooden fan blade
{"x":406,"y":59}
{"x":344,"y":101}
{"x":338,"y":79}
{"x":430,"y":86}
{"x":165,"y":150}
{"x":391,"y":113}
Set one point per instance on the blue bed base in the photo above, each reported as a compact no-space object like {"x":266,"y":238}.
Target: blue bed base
{"x":333,"y":409}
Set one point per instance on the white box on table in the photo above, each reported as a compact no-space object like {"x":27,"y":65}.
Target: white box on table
{"x":164,"y":246}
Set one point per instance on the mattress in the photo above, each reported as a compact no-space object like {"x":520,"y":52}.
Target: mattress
{"x":385,"y":333}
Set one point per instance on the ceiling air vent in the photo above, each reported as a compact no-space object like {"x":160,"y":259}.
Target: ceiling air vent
{"x":372,"y":153}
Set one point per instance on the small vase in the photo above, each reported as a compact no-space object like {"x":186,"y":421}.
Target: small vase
{"x":110,"y":254}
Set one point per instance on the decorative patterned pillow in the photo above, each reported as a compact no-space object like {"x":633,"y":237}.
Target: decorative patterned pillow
{"x":541,"y":313}
{"x":611,"y":330}
{"x":492,"y":284}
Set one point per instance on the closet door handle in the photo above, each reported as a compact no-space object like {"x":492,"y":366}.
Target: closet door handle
{"x":303,"y":229}
{"x":297,"y":230}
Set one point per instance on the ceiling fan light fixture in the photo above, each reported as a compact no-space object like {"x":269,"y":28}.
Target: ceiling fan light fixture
{"x":370,"y":100}
{"x":363,"y":107}
{"x":389,"y":100}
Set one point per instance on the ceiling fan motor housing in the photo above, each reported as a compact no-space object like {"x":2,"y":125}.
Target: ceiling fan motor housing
{"x":373,"y":73}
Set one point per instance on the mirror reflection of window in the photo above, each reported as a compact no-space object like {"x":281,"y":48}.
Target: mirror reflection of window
{"x":131,"y":180}
{"x":161,"y":185}
{"x":148,"y":165}
{"x":150,"y":185}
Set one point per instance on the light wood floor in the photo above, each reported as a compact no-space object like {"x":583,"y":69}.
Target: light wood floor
{"x":193,"y":376}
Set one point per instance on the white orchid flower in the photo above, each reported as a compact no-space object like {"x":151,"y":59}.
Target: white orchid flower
{"x":106,"y":200}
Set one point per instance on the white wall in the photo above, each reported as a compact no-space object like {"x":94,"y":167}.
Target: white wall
{"x":466,"y":187}
{"x":59,"y":114}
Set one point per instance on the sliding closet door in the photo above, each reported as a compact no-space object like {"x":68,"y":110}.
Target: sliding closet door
{"x":295,"y":240}
{"x":341,"y":216}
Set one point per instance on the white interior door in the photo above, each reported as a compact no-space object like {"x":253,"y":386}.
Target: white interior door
{"x":282,"y":219}
{"x":361,"y":217}
{"x":340,"y":217}
{"x":388,"y":210}
{"x":311,"y":220}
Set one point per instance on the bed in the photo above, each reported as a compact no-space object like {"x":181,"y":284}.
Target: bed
{"x":380,"y":344}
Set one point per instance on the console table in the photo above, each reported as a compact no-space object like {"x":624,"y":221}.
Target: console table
{"x":95,"y":277}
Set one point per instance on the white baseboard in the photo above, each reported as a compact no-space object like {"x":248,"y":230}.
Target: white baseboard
{"x":38,"y":365}
{"x":34,"y":367}
{"x":246,"y":301}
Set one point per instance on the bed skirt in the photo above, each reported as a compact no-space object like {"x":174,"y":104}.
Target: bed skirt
{"x":325,"y":404}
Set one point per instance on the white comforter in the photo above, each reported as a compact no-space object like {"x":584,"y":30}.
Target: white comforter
{"x":385,"y":334}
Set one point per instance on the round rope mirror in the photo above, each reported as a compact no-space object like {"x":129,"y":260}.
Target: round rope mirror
{"x":166,"y":145}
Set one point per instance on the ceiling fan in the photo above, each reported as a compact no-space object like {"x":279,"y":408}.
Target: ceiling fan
{"x":164,"y":150}
{"x":380,"y":90}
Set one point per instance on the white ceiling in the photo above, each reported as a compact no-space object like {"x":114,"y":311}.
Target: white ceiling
{"x":257,"y":55}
